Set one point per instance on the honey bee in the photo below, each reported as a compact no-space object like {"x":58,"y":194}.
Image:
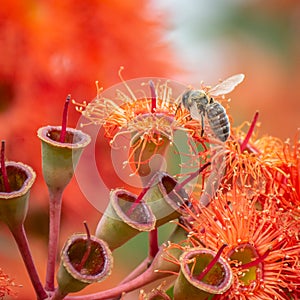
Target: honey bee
{"x":201,"y":105}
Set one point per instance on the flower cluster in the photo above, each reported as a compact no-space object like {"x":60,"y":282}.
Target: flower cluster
{"x":253,"y":208}
{"x":234,"y":205}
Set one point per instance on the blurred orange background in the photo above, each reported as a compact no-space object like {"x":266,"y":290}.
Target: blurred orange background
{"x":49,"y":49}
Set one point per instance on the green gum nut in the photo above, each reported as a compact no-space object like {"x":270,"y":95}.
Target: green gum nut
{"x":118,"y":224}
{"x":165,"y":201}
{"x":60,"y":159}
{"x":192,"y":262}
{"x":72,"y":275}
{"x":14,"y":205}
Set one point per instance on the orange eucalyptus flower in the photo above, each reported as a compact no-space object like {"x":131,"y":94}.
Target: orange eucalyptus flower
{"x":286,"y":182}
{"x":264,"y":262}
{"x":143,"y":110}
{"x":271,"y":167}
{"x":244,"y":164}
{"x":251,"y":162}
{"x":287,"y":177}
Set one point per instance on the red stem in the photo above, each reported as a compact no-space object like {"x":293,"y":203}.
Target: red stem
{"x":153,"y":242}
{"x":54,"y":225}
{"x":249,"y":133}
{"x":64,"y":120}
{"x":58,"y":295}
{"x":22,"y":242}
{"x":148,"y":276}
{"x":211,"y":264}
{"x":153,"y":96}
{"x":3,"y":168}
{"x":191,"y":177}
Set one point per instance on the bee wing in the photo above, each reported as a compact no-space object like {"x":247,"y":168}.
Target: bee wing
{"x":226,"y":86}
{"x":195,"y":113}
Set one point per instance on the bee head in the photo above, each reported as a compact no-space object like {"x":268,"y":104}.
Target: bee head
{"x":191,"y":96}
{"x":185,"y":99}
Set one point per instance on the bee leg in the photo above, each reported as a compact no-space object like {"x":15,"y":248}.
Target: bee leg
{"x":202,"y":125}
{"x":202,"y":132}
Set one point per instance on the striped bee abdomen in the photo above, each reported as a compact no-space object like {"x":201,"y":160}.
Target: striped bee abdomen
{"x":218,"y":120}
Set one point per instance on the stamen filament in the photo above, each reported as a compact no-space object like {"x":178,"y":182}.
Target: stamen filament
{"x":64,"y":120}
{"x":3,"y":168}
{"x":211,"y":264}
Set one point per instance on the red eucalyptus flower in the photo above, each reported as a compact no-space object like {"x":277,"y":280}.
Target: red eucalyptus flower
{"x":264,"y":261}
{"x":143,"y":112}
